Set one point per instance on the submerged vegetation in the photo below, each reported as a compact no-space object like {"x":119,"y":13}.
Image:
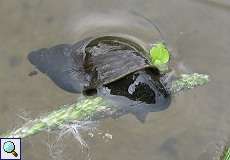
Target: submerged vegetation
{"x":90,"y":108}
{"x":226,"y":154}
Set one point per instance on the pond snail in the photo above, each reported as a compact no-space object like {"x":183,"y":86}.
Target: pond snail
{"x":108,"y":66}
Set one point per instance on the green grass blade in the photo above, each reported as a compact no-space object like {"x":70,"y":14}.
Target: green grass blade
{"x":87,"y":108}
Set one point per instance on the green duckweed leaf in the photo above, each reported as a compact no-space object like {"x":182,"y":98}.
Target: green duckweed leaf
{"x":159,"y":54}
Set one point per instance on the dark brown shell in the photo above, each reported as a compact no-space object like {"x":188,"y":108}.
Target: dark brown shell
{"x":111,"y":58}
{"x":91,"y":62}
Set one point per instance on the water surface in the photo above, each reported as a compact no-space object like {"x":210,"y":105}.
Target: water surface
{"x":194,"y":127}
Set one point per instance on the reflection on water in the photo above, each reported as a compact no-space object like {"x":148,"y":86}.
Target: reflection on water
{"x":195,"y":126}
{"x":222,"y":4}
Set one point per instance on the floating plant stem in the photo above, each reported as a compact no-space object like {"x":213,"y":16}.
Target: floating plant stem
{"x":88,"y":108}
{"x":189,"y":81}
{"x":226,"y":154}
{"x":82,"y":110}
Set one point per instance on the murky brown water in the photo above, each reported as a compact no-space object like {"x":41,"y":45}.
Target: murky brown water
{"x":194,"y":126}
